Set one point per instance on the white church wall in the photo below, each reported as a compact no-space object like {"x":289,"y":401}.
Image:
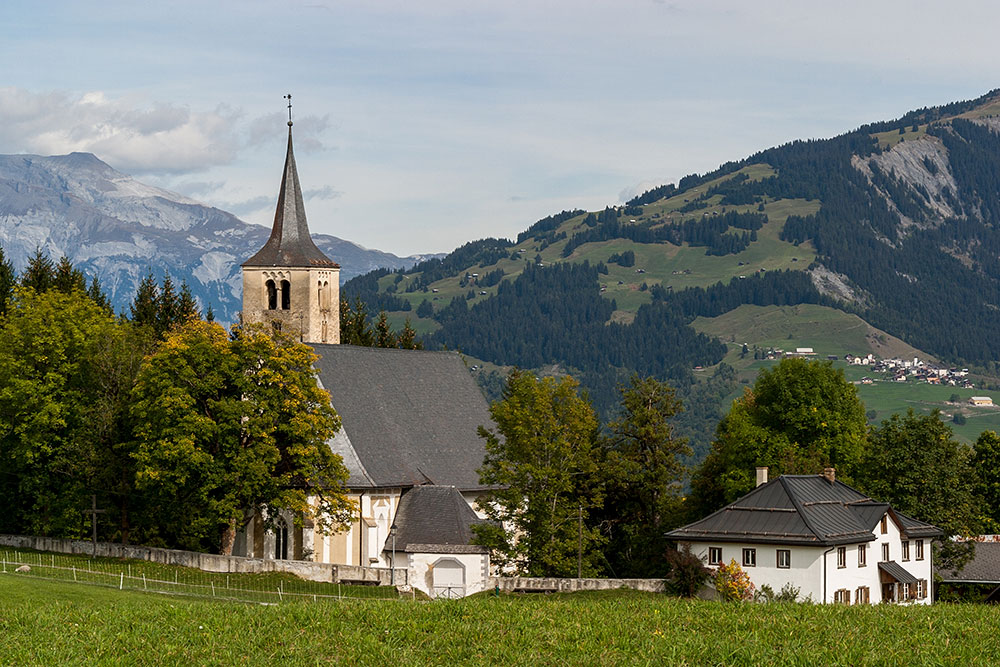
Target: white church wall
{"x":421,"y":573}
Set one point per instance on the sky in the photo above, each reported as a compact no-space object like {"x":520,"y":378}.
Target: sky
{"x":420,"y":126}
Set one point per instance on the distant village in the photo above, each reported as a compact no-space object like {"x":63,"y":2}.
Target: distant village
{"x":894,"y":370}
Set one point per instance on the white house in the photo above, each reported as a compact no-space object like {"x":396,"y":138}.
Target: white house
{"x":832,"y":542}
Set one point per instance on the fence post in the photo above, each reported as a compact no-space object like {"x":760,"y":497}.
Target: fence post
{"x":121,"y":580}
{"x":143,"y":581}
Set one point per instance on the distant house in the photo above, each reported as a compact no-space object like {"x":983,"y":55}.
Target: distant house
{"x":832,"y":542}
{"x":981,"y":400}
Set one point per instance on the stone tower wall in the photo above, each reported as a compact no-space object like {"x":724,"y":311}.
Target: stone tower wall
{"x":314,"y":301}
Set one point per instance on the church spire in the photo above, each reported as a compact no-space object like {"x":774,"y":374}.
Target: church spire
{"x":290,"y":244}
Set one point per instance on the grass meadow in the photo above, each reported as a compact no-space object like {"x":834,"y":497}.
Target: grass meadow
{"x":46,"y":622}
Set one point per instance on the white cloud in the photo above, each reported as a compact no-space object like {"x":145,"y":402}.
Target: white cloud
{"x":158,"y":138}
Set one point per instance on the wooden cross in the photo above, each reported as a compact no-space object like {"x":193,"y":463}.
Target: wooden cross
{"x":93,"y":512}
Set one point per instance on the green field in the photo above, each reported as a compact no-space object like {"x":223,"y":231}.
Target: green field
{"x":49,"y":623}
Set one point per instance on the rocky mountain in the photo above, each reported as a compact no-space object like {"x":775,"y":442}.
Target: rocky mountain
{"x":895,"y":224}
{"x":116,"y":228}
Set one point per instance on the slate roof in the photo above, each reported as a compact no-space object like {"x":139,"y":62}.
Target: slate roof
{"x":434,"y":519}
{"x":984,"y":567}
{"x":290,"y":243}
{"x":410,"y":417}
{"x":799,"y":509}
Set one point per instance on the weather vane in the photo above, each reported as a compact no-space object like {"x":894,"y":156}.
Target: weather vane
{"x":289,"y":98}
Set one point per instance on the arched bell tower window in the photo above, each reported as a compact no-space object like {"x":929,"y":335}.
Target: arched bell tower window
{"x":286,"y":295}
{"x":272,"y":295}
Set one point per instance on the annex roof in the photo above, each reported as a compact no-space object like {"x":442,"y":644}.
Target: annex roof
{"x":410,"y":417}
{"x":434,"y":519}
{"x":290,"y":244}
{"x":983,"y":568}
{"x":799,"y":509}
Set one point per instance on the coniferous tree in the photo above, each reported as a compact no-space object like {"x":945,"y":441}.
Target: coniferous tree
{"x":384,"y":337}
{"x":40,"y":273}
{"x":187,"y":306}
{"x":97,"y":295}
{"x":8,"y":279}
{"x":144,"y":309}
{"x":408,"y":337}
{"x":68,"y":278}
{"x":167,"y":307}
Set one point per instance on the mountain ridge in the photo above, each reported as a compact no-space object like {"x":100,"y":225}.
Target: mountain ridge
{"x":118,"y":229}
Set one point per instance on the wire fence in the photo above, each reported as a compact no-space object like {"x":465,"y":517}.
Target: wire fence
{"x":269,"y":588}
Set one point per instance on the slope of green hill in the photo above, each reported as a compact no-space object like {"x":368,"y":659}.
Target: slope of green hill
{"x":895,"y":224}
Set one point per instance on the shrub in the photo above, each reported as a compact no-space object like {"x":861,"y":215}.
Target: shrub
{"x":732,"y":583}
{"x":789,"y":593}
{"x":686,"y":573}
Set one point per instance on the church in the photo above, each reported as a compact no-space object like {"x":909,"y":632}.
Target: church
{"x":409,"y":434}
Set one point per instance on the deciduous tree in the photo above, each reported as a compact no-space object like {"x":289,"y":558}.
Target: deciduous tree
{"x":230,"y":426}
{"x":541,"y":462}
{"x":799,"y":417}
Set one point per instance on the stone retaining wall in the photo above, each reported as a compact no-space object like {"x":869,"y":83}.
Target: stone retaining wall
{"x":553,"y":585}
{"x":325,"y":572}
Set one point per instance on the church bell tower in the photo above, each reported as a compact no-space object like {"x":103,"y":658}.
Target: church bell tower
{"x":290,"y":283}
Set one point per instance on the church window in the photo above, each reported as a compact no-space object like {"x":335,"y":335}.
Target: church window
{"x":286,"y":295}
{"x":281,"y":541}
{"x":272,"y":295}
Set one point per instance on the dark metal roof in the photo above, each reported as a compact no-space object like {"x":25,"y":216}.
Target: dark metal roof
{"x":410,"y":417}
{"x":434,"y":519}
{"x":897,"y":572}
{"x":797,"y":509}
{"x":984,"y":567}
{"x":290,"y":243}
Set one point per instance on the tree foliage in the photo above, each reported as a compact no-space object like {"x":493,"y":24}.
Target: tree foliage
{"x":235,"y":425}
{"x":643,"y":474}
{"x":49,"y":343}
{"x":800,"y":417}
{"x":916,"y":465}
{"x":541,"y":465}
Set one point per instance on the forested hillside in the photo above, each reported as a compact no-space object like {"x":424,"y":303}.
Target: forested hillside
{"x":897,"y":222}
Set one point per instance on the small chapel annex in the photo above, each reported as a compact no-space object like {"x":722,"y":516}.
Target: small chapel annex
{"x":409,"y":434}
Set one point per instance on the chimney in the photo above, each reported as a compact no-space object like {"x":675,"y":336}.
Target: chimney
{"x":830,"y":474}
{"x":761,"y":475}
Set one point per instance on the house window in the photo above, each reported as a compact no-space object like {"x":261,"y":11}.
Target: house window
{"x":885,"y":524}
{"x":842,"y":596}
{"x":749,"y":558}
{"x":906,"y":592}
{"x":784,"y":558}
{"x":841,"y":556}
{"x":906,"y":550}
{"x":885,"y":551}
{"x":714,"y":555}
{"x":920,"y":549}
{"x":921,"y":589}
{"x":862,"y":555}
{"x":862,"y":595}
